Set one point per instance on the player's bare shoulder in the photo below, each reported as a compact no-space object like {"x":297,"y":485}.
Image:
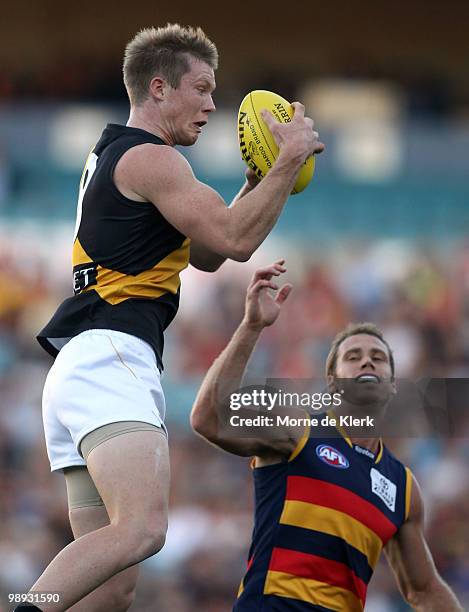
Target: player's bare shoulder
{"x":148,"y":168}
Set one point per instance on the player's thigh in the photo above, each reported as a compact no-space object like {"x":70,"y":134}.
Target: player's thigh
{"x":131,"y":472}
{"x":86,"y":509}
{"x":87,"y":519}
{"x":119,"y":591}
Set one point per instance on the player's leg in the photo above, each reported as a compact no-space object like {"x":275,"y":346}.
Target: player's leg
{"x":131,"y":473}
{"x":87,"y":513}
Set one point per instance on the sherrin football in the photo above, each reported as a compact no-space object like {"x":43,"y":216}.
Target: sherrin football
{"x":258,"y":147}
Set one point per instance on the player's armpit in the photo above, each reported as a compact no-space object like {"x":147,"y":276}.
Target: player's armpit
{"x":204,"y":259}
{"x":161,"y":175}
{"x":411,"y":560}
{"x":251,"y":432}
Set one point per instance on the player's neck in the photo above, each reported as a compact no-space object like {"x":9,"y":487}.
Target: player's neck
{"x":366,"y":431}
{"x":139,"y":118}
{"x":371,"y":444}
{"x":375,"y":411}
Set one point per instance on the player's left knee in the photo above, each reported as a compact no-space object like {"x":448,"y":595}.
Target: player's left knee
{"x":152,"y":540}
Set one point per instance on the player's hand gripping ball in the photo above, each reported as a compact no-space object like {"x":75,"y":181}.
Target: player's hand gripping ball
{"x":258,"y":147}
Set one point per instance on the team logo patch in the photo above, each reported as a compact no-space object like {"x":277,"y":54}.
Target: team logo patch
{"x":332,"y":456}
{"x":383,"y":488}
{"x":84,"y":275}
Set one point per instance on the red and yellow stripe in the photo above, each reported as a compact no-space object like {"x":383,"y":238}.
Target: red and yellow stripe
{"x":334,"y":523}
{"x":311,"y":591}
{"x":326,"y":494}
{"x":314,"y":567}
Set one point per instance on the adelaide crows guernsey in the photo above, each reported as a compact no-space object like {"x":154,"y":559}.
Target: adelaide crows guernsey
{"x":126,"y":256}
{"x":321,"y":521}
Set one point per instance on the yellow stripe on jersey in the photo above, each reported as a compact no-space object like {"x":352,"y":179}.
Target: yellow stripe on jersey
{"x":311,"y":591}
{"x":344,"y":435}
{"x":116,"y":287}
{"x":381,"y":450}
{"x":301,"y":442}
{"x":335,"y":523}
{"x":408,"y":491}
{"x":331,"y":414}
{"x":79,"y":255}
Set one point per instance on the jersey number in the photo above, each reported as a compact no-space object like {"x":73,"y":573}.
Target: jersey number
{"x":88,"y":172}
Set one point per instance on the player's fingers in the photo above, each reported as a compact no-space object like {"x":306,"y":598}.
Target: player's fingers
{"x":264,"y":274}
{"x":283,"y":294}
{"x":310,"y":123}
{"x":268,"y":272}
{"x":279,"y":265}
{"x":263,"y":284}
{"x":268,"y":118}
{"x":251,"y":176}
{"x":299,"y":110}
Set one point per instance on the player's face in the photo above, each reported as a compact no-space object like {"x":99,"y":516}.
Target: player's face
{"x":363,"y":370}
{"x":188,"y":107}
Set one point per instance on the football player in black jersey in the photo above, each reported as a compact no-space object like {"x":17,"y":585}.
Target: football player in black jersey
{"x":142,"y":217}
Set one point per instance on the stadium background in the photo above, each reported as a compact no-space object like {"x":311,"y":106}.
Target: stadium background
{"x":381,"y":234}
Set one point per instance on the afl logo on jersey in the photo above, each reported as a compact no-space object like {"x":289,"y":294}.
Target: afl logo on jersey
{"x":332,"y":456}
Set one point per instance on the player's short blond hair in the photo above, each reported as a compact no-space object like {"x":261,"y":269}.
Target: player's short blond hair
{"x":353,"y":329}
{"x":165,"y":52}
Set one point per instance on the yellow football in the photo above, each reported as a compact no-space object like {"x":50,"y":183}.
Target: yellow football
{"x":258,"y":147}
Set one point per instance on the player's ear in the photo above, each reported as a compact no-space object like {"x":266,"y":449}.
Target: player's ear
{"x":158,"y":87}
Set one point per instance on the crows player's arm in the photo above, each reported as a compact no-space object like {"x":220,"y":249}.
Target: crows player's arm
{"x":212,"y":408}
{"x":411,"y":560}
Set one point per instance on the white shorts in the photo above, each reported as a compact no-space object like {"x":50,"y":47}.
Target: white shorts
{"x":99,"y":377}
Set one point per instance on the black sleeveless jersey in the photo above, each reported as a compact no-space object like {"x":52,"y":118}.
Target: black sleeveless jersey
{"x":126,"y":256}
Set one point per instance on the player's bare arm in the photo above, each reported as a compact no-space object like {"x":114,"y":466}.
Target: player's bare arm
{"x":161,"y":175}
{"x":204,"y":259}
{"x":412,"y":562}
{"x":226,"y":373}
{"x":209,"y":261}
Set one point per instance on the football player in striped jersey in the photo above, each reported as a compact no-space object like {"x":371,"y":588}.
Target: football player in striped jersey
{"x":327,"y":502}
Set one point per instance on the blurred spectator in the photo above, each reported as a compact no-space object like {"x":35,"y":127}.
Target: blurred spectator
{"x":423,"y":308}
{"x":5,"y":175}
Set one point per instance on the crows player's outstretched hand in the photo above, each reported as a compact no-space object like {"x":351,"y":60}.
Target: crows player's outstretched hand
{"x":263,"y":306}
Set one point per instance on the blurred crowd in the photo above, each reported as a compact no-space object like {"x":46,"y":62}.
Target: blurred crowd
{"x":78,"y":79}
{"x":420,"y":298}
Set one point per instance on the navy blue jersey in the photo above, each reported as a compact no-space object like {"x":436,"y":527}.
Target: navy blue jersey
{"x":321,"y":521}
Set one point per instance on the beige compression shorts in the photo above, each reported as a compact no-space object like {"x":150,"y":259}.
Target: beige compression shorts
{"x":81,"y":490}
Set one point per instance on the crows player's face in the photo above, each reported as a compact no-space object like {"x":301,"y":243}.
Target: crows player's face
{"x":363,"y":370}
{"x":187,"y":107}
